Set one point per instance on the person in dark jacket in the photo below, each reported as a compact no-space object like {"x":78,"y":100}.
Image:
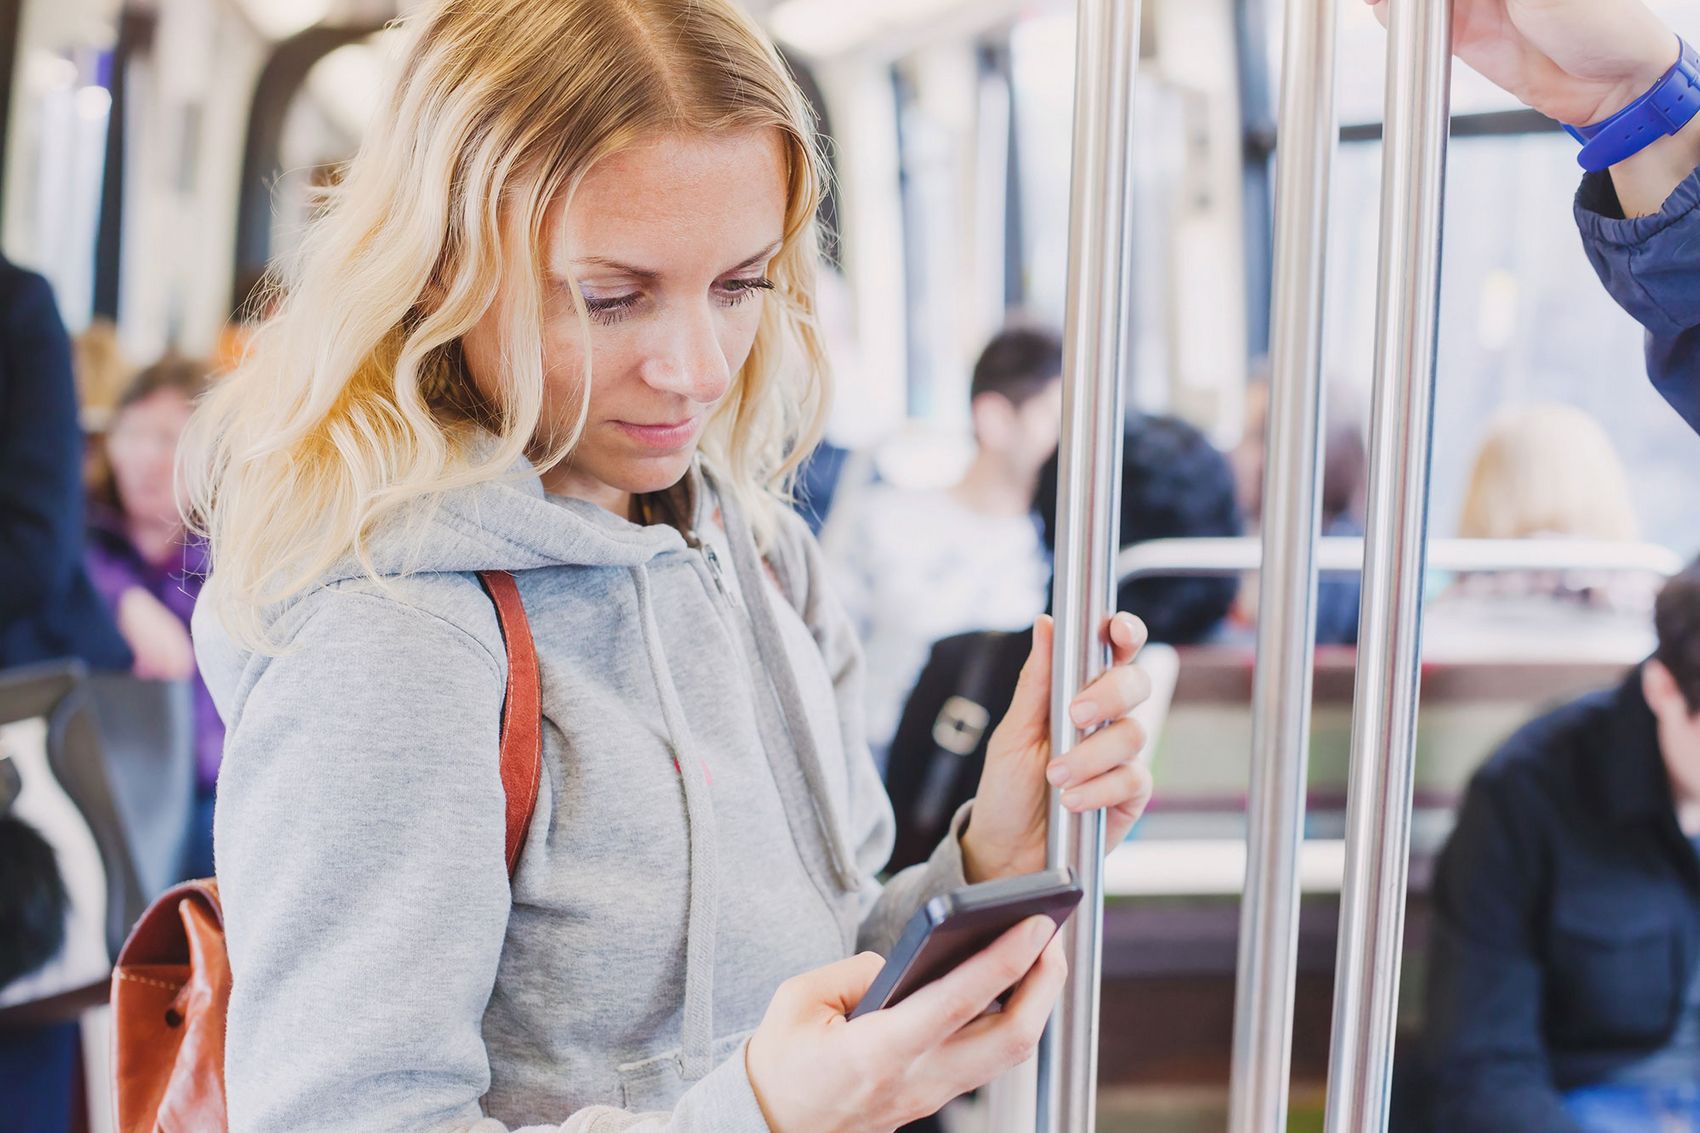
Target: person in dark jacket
{"x":1564,"y":966}
{"x":1175,"y":484}
{"x":48,"y":608}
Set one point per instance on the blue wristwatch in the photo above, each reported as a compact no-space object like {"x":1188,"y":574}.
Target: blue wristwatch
{"x":1662,"y":111}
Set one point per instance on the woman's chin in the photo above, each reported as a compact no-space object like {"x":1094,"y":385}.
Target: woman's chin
{"x":657,"y":473}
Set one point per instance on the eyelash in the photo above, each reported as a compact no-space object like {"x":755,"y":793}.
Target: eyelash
{"x":610,"y":311}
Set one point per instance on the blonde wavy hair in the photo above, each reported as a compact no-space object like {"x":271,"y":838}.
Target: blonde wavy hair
{"x":1547,"y":469}
{"x":354,"y":403}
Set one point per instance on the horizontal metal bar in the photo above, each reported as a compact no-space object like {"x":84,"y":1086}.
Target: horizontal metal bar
{"x":1344,"y":554}
{"x":1262,"y":142}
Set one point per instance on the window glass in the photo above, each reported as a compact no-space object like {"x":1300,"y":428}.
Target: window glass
{"x":1523,"y":318}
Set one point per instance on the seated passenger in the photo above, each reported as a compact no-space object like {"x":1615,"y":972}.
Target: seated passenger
{"x":1544,"y":472}
{"x":1580,"y":62}
{"x":147,"y":567}
{"x":1344,"y":469}
{"x":1174,"y":486}
{"x":914,"y":566}
{"x":1564,"y":968}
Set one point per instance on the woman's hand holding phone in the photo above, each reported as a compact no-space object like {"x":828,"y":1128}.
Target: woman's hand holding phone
{"x":815,"y":1071}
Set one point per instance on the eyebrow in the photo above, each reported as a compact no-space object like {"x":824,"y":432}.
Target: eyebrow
{"x":649,"y":274}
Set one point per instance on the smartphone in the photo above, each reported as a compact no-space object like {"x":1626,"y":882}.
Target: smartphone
{"x":949,"y":929}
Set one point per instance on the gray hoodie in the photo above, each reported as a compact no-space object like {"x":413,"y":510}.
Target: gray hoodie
{"x":709,"y":823}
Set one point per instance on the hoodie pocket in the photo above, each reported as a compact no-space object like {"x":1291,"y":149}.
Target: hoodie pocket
{"x":657,"y":1083}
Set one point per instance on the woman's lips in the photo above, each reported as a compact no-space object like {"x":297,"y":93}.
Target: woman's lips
{"x":661,"y":438}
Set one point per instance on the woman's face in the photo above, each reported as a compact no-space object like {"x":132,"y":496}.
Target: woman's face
{"x":141,"y":446}
{"x":669,"y":242}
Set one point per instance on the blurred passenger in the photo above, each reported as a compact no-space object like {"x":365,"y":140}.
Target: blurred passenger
{"x":832,"y":472}
{"x":1175,"y":485}
{"x":555,"y":329}
{"x":1544,"y":472}
{"x":147,"y":567}
{"x":102,"y":372}
{"x":1564,"y":969}
{"x":818,"y":479}
{"x":48,"y":609}
{"x":914,"y":566}
{"x":1344,"y":473}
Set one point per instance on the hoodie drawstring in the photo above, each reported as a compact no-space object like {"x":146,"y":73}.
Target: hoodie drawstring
{"x":775,"y":662}
{"x":696,"y":1054}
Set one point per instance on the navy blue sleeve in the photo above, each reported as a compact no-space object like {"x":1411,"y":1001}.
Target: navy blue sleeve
{"x":41,"y":501}
{"x":1484,"y":992}
{"x":1651,"y":266}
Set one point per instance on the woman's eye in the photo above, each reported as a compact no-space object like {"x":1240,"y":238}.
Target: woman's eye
{"x":610,"y":309}
{"x":735,"y":291}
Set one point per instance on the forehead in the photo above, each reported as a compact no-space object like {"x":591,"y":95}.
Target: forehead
{"x":680,"y":195}
{"x":165,"y":402}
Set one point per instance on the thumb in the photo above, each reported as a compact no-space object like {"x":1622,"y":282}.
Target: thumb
{"x":838,"y":988}
{"x":1030,"y":707}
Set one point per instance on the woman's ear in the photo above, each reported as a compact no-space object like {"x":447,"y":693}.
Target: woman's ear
{"x":1661,"y":692}
{"x":993,"y":417}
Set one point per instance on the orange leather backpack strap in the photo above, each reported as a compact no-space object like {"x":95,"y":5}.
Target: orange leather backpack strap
{"x":522,"y":711}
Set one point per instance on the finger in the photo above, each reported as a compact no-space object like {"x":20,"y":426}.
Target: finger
{"x":1030,"y":707}
{"x":1127,"y":786}
{"x":1117,"y":691}
{"x":992,"y":1044}
{"x":1101,"y":752}
{"x":833,"y":990}
{"x":941,"y":1008}
{"x":1127,"y":637}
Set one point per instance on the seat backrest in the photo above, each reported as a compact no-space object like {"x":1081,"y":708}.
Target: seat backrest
{"x":147,"y":735}
{"x":49,"y":730}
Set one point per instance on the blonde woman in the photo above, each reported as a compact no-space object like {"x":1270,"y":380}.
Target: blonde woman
{"x":1545,"y":471}
{"x":558,"y":321}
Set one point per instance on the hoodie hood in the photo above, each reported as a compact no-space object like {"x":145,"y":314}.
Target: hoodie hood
{"x":512,"y":524}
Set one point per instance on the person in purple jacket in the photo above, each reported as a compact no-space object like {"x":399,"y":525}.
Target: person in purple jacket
{"x":1581,"y":63}
{"x":147,"y":567}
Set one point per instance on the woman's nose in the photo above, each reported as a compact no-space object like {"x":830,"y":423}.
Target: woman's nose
{"x":688,"y":360}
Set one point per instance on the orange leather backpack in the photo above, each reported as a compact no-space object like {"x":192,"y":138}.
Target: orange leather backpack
{"x":171,"y":985}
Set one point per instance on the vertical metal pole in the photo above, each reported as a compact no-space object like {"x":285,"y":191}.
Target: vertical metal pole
{"x":1088,"y":507}
{"x":1286,"y":629}
{"x":1378,"y":809}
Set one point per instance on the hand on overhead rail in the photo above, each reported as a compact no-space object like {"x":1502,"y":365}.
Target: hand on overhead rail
{"x":1006,"y":833}
{"x":1579,"y":62}
{"x":1576,"y":61}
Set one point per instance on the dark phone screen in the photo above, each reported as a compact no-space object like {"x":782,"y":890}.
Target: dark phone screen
{"x":965,"y":922}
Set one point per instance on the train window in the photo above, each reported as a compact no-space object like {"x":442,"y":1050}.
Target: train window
{"x":1523,"y":319}
{"x":322,"y":129}
{"x":1041,"y":47}
{"x":56,"y":168}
